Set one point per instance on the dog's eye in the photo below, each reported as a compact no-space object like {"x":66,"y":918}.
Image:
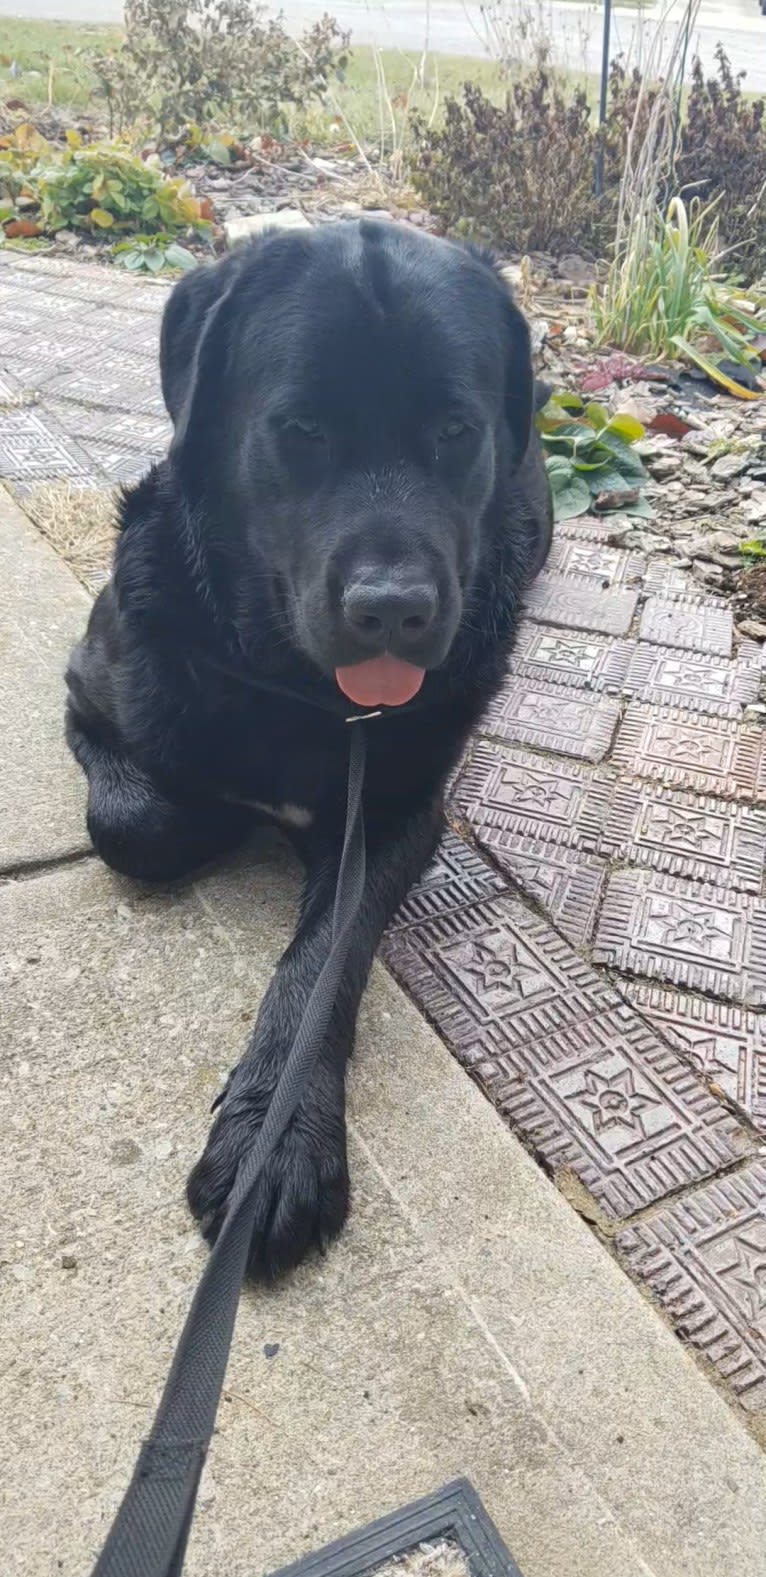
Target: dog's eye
{"x":304,"y":427}
{"x":452,"y":430}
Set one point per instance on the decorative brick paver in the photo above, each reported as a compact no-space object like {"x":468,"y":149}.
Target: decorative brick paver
{"x":580,"y":603}
{"x":709,"y":755}
{"x":700,"y":628}
{"x":701,"y":937}
{"x":536,"y":714}
{"x":590,"y":940}
{"x":723,"y":1041}
{"x":704,"y":1258}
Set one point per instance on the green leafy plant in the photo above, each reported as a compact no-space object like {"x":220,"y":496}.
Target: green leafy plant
{"x":105,"y":187}
{"x":204,"y":61}
{"x":151,"y":254}
{"x":590,"y":460}
{"x":99,"y":188}
{"x":663,"y":293}
{"x":755,"y":550}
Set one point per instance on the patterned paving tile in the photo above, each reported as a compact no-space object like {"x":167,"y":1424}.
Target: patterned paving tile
{"x":579,"y":605}
{"x":591,"y":561}
{"x":698,"y":628}
{"x":117,"y":382}
{"x":119,"y":466}
{"x":36,"y":359}
{"x":492,"y":976}
{"x":572,"y":657}
{"x":32,"y":449}
{"x":507,"y":796}
{"x":708,"y":754}
{"x":141,"y":337}
{"x":148,"y":436}
{"x":704,"y":839}
{"x":516,"y":794}
{"x":57,"y":276}
{"x":548,"y":717}
{"x":704,"y":1259}
{"x":22,"y":313}
{"x":588,"y":528}
{"x":568,"y":885}
{"x":724,"y":1042}
{"x":665,"y":579}
{"x":700,"y":937}
{"x":456,"y":878}
{"x":720,"y":686}
{"x":575,"y":1071}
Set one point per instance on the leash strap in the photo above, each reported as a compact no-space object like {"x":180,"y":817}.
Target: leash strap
{"x":150,"y":1531}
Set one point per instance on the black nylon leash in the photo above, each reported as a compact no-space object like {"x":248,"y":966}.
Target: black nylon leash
{"x":149,"y":1534}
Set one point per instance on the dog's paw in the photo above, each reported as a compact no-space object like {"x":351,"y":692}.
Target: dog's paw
{"x":302,"y":1190}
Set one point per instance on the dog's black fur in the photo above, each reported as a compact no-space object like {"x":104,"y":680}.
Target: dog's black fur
{"x":352,"y":403}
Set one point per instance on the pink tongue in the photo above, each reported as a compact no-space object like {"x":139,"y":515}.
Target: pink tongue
{"x":381,"y":681}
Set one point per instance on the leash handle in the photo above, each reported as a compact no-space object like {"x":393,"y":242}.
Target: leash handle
{"x":150,"y":1532}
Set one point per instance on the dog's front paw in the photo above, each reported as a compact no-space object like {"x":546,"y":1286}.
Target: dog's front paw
{"x":302,"y":1191}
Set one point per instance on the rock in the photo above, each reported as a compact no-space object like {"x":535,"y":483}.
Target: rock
{"x":539,"y":329}
{"x":755,"y":629}
{"x":714,"y":543}
{"x":570,"y":334}
{"x":633,"y":405}
{"x":729,"y":465}
{"x":755,"y":713}
{"x":577,"y":269}
{"x":696,"y":443}
{"x":755,"y":510}
{"x":662,"y":465}
{"x":709,"y":574}
{"x":242,"y":227}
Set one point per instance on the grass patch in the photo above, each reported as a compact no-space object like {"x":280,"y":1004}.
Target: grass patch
{"x":81,"y":525}
{"x":54,"y":59}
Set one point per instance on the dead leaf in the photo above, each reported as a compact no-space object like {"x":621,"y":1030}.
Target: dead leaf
{"x":28,"y":139}
{"x":609,"y":500}
{"x":670,"y":423}
{"x":21,"y":227}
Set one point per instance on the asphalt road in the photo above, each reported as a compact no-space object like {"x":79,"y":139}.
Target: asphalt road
{"x":455,"y":27}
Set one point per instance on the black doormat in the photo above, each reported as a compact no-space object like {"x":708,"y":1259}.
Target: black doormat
{"x":453,"y":1516}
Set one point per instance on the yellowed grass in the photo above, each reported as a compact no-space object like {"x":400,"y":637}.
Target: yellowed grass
{"x":80,"y":523}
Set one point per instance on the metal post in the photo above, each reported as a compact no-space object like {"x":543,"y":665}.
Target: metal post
{"x":603,"y":94}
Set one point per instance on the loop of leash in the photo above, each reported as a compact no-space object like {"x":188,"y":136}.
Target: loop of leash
{"x":149,"y":1534}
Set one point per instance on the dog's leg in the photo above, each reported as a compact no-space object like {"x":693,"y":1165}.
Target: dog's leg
{"x":135,"y":828}
{"x":303,"y":1188}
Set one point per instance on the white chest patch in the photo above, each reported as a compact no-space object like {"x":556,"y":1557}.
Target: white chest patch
{"x":288,"y":814}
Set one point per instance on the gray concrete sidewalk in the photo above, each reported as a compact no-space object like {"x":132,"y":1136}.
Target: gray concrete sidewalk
{"x":468,"y":1322}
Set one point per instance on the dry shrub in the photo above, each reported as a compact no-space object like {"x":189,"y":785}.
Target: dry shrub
{"x":521,"y":175}
{"x":723,"y":153}
{"x":518,"y":175}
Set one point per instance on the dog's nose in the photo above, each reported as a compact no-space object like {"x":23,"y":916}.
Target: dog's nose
{"x":401,"y":614}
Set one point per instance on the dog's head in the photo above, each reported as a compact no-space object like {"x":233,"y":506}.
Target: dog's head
{"x":345,"y":401}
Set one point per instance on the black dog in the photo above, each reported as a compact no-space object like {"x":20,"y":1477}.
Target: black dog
{"x":353,"y":503}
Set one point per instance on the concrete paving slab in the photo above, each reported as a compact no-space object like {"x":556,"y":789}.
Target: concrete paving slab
{"x":467,"y":1322}
{"x":43,"y":611}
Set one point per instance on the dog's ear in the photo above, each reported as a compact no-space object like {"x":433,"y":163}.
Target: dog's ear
{"x":519,"y":376}
{"x":211,"y":327}
{"x":183,"y":322}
